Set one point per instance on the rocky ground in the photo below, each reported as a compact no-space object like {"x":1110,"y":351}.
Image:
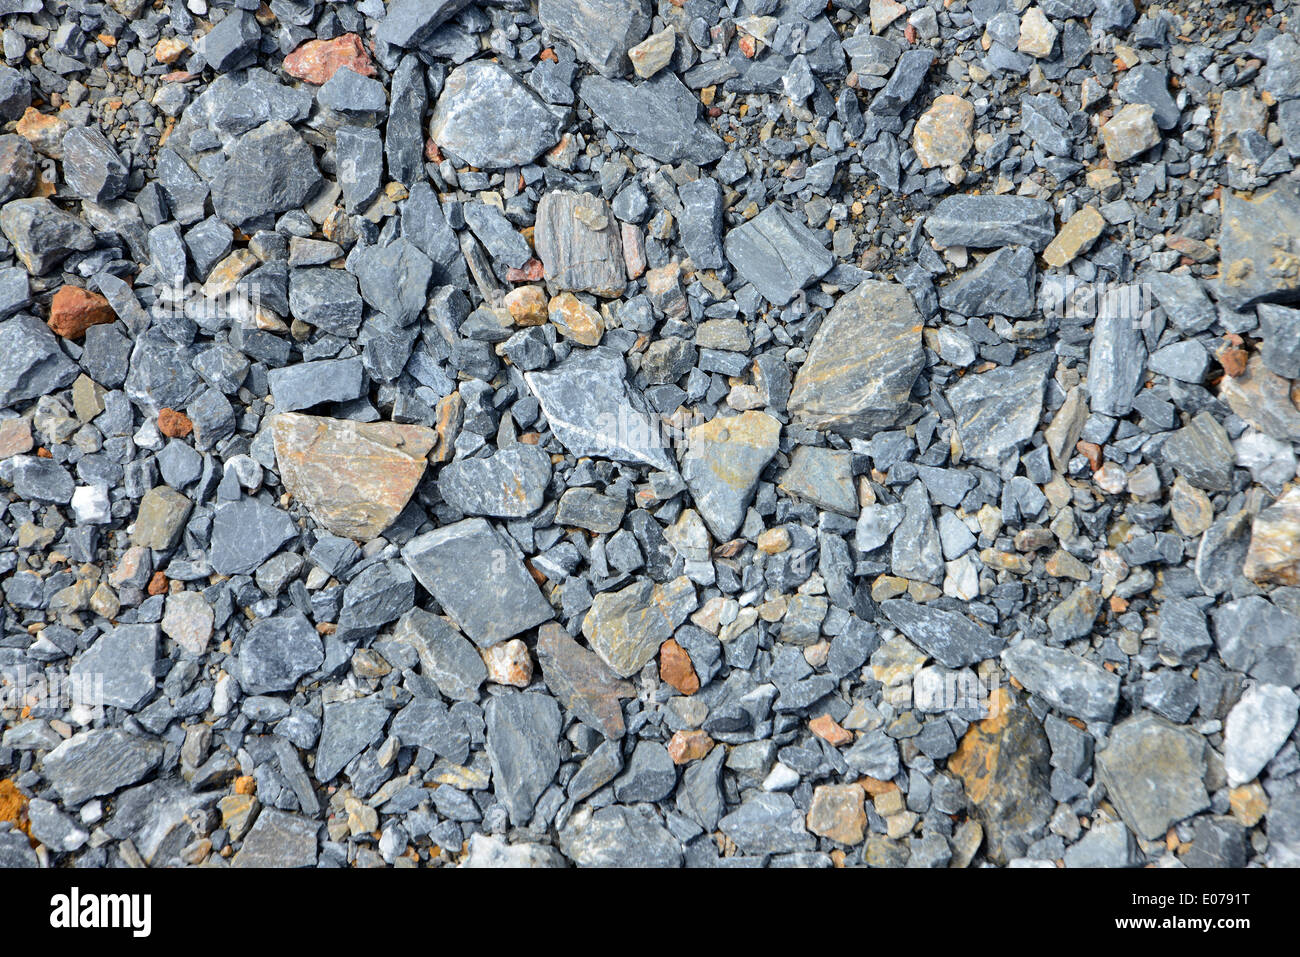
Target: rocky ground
{"x":719,"y":433}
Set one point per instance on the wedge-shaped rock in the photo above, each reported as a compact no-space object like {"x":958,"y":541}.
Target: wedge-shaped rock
{"x":627,"y":627}
{"x":862,"y":363}
{"x":581,"y":681}
{"x":952,"y":639}
{"x":659,"y":117}
{"x":998,"y":410}
{"x":478,"y":579}
{"x":588,"y":406}
{"x":523,"y":745}
{"x":723,"y":460}
{"x":1070,"y":684}
{"x":99,"y":762}
{"x":354,"y":477}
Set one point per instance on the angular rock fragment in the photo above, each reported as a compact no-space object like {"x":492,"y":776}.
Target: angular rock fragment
{"x":476,"y":576}
{"x":619,"y":836}
{"x":991,"y":221}
{"x":523,"y":744}
{"x":1154,"y":773}
{"x":724,"y":458}
{"x":627,"y":627}
{"x":590,"y":410}
{"x":1002,"y":283}
{"x":778,"y":254}
{"x":1274,"y":552}
{"x":999,"y":410}
{"x":953,"y":639}
{"x":488,"y":118}
{"x":863,"y":362}
{"x":270,"y":170}
{"x":354,"y":477}
{"x":98,"y":762}
{"x":583,"y":683}
{"x":510,"y":484}
{"x":578,"y":242}
{"x":1256,"y":262}
{"x":659,"y":117}
{"x":1072,"y":685}
{"x":277,"y":652}
{"x":600,"y":31}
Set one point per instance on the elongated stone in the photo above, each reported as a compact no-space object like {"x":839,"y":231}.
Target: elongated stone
{"x":953,"y":639}
{"x":581,"y":681}
{"x":988,"y":221}
{"x":354,"y":477}
{"x":1070,"y":684}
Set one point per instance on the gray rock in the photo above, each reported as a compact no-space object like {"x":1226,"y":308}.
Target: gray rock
{"x":381,"y":593}
{"x":590,"y":410}
{"x":232,"y":43}
{"x":992,"y":221}
{"x":1002,"y":283}
{"x":247,"y":533}
{"x":270,"y":170}
{"x":37,"y":479}
{"x":619,"y":836}
{"x":409,"y":23}
{"x":353,"y":96}
{"x":577,"y":240}
{"x":997,"y":411}
{"x":278,"y":839}
{"x":523,"y":744}
{"x":1256,"y":637}
{"x":394,"y":278}
{"x":778,"y":254}
{"x":325,"y":298}
{"x":1183,"y":299}
{"x":1201,"y":453}
{"x":1107,"y":844}
{"x":42,"y":234}
{"x":31,"y":364}
{"x":916,"y":552}
{"x":701,"y":223}
{"x":952,"y":639}
{"x":1183,"y":633}
{"x":510,"y":484}
{"x":1147,"y":83}
{"x":98,"y":762}
{"x":1075,"y":615}
{"x":1154,"y":774}
{"x":446,"y":657}
{"x":1256,"y":265}
{"x":309,"y":384}
{"x":600,"y":31}
{"x":659,"y":117}
{"x":1116,"y":363}
{"x":91,"y":167}
{"x":700,"y":796}
{"x":404,"y":132}
{"x":488,"y":118}
{"x":768,"y":823}
{"x":502,"y":241}
{"x":276,"y":652}
{"x":120,"y":664}
{"x":823,"y":477}
{"x":478,"y":579}
{"x":649,"y":776}
{"x":1070,"y":684}
{"x":903,"y":83}
{"x":862,"y":363}
{"x":486,"y":851}
{"x":348,"y":729}
{"x":1256,"y":728}
{"x":359,"y":152}
{"x":1280,"y":331}
{"x":723,"y":460}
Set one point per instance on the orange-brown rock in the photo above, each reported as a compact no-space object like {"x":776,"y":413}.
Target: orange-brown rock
{"x":15,"y":437}
{"x":317,"y":60}
{"x":157,"y":584}
{"x":527,"y":305}
{"x":676,"y":668}
{"x":44,"y":131}
{"x":1003,"y":764}
{"x":838,"y":812}
{"x":508,"y":663}
{"x":173,"y":424}
{"x":826,"y":728}
{"x":687,"y":746}
{"x":354,"y":477}
{"x":73,"y":310}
